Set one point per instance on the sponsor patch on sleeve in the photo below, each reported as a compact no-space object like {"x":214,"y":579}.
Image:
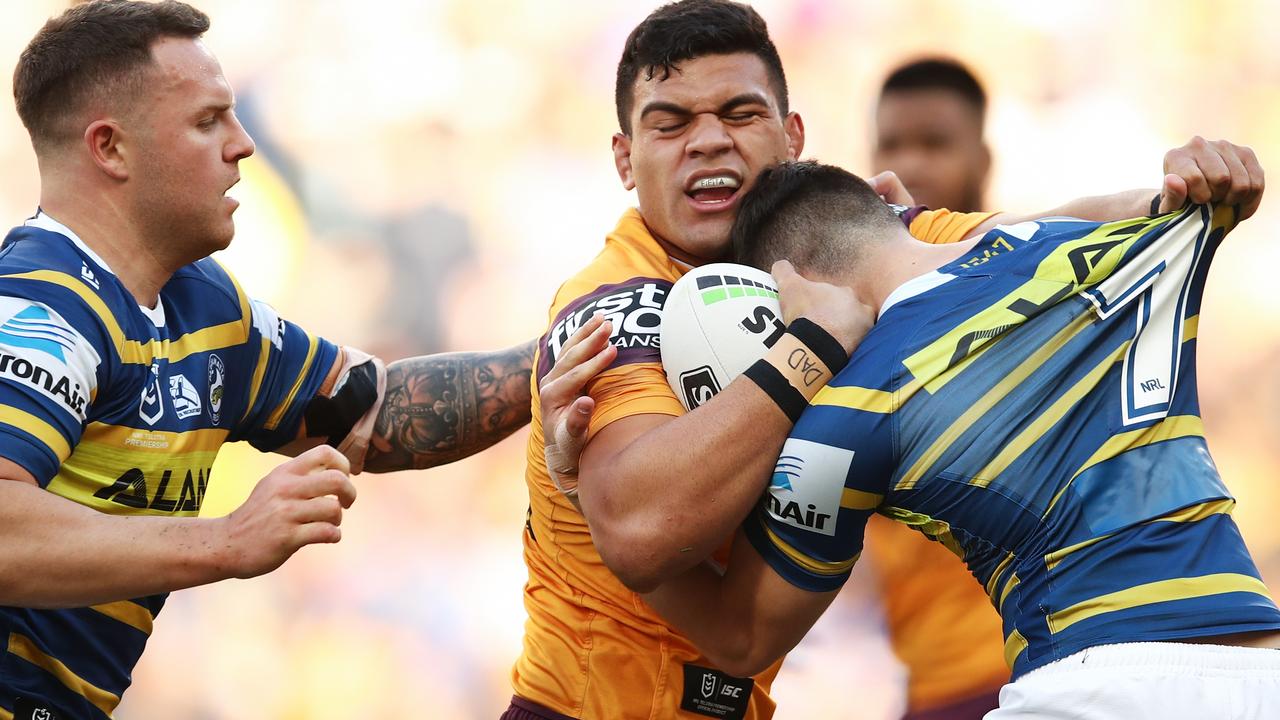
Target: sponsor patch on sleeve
{"x":808,"y":482}
{"x":42,"y":351}
{"x":268,"y":322}
{"x":635,"y":309}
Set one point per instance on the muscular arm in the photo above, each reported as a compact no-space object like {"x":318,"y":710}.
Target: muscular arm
{"x":661,"y":493}
{"x":56,"y":553}
{"x":441,"y":408}
{"x":743,"y":620}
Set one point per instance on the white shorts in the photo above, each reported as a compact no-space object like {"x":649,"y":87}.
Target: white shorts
{"x":1168,"y":681}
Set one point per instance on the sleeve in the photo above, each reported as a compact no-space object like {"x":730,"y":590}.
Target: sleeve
{"x":634,"y":384}
{"x":942,"y":226}
{"x":288,"y":370}
{"x":53,"y":352}
{"x":829,"y":479}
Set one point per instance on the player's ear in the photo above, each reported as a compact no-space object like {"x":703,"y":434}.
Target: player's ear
{"x":793,"y":125}
{"x":622,"y":160}
{"x":104,"y":139}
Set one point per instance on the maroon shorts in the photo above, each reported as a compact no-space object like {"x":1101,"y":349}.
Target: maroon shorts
{"x":973,"y":708}
{"x":521,"y":709}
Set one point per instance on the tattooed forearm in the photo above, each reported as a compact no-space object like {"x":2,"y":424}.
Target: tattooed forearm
{"x":441,"y":408}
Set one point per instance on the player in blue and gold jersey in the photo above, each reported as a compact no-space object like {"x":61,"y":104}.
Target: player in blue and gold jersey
{"x":128,"y":357}
{"x":1027,"y":399}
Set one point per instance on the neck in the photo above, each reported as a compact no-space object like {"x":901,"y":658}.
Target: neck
{"x":103,"y":223}
{"x":889,"y":264}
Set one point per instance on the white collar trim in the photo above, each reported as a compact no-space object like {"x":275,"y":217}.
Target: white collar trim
{"x":915,"y":286}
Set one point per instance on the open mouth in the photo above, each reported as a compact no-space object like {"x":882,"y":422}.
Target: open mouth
{"x":713,"y":191}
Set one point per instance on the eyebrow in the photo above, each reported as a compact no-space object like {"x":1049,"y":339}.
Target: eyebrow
{"x":751,"y":98}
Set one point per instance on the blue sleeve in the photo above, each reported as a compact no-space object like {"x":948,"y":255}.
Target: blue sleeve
{"x":829,"y":479}
{"x":290,"y":367}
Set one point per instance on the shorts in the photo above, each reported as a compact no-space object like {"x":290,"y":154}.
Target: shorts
{"x":521,"y":709}
{"x":1131,"y":681}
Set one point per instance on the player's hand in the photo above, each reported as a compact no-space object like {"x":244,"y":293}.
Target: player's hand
{"x":297,"y":504}
{"x":566,"y":412}
{"x":890,"y":188}
{"x":834,"y":309}
{"x":1212,"y":172}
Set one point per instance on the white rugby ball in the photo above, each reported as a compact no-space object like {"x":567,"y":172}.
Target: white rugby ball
{"x":717,"y":320}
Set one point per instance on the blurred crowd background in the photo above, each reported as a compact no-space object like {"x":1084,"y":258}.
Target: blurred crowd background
{"x":429,"y":171}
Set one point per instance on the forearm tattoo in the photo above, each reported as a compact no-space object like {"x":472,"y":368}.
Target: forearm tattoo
{"x":441,"y":408}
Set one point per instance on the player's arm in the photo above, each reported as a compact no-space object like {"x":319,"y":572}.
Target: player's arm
{"x":661,"y":493}
{"x":743,"y":620}
{"x":56,"y":553}
{"x":418,"y":412}
{"x":1199,"y":171}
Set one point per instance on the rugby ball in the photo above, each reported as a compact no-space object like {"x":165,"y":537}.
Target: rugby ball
{"x":718,"y":319}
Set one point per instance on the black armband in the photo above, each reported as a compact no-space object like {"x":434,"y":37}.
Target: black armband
{"x":352,"y":396}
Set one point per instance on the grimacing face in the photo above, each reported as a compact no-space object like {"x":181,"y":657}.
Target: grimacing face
{"x":932,"y":138}
{"x":187,"y":149}
{"x":698,"y":140}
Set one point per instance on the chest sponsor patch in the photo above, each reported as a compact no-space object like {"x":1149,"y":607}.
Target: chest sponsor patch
{"x":635,"y":309}
{"x":807,"y":485}
{"x":714,"y":694}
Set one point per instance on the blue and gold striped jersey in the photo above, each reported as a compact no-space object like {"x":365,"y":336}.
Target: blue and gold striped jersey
{"x":122,"y":409}
{"x":1032,"y":406}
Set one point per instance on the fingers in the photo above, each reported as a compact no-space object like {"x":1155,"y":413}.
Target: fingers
{"x":1218,"y":172}
{"x":326,"y":509}
{"x":320,"y":457}
{"x":583,"y":342}
{"x":578,"y":418}
{"x":1257,"y":181}
{"x":577,"y":367}
{"x":890,"y":187}
{"x":1173,"y":194}
{"x":318,"y":532}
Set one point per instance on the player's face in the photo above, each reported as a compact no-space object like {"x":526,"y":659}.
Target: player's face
{"x":933,"y":140}
{"x":189,"y":147}
{"x":698,"y":140}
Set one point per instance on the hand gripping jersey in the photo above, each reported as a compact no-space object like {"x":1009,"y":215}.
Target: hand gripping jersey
{"x":592,"y":648}
{"x":1032,"y":406}
{"x":123,"y":409}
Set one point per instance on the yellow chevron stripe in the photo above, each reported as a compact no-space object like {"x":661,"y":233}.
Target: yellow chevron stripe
{"x":134,"y":440}
{"x":5,"y":714}
{"x":819,"y":567}
{"x":259,"y":371}
{"x":278,"y":414}
{"x":860,"y":500}
{"x":1014,"y":645}
{"x":129,"y":613}
{"x":1154,"y":592}
{"x":1008,"y":588}
{"x":22,"y":647}
{"x":131,"y":351}
{"x":214,"y":337}
{"x":1174,"y":426}
{"x":865,"y":399}
{"x":1190,"y":328}
{"x":44,"y":432}
{"x":1193,"y":513}
{"x":1047,"y":419}
{"x":994,"y":396}
{"x":995,"y":575}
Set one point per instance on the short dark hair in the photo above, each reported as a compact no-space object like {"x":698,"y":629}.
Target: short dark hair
{"x":817,"y":216}
{"x":937,"y":73}
{"x":96,"y":49}
{"x":691,"y":29}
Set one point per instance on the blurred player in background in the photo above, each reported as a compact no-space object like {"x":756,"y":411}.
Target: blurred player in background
{"x":929,"y":131}
{"x":930,"y":119}
{"x":702,"y":107}
{"x":128,"y":357}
